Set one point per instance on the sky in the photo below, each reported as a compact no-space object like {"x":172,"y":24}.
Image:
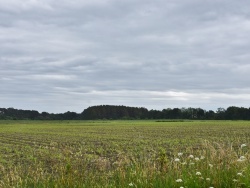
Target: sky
{"x":59,"y":56}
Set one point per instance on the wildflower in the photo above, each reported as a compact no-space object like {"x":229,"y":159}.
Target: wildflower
{"x":196,"y":158}
{"x":184,"y":163}
{"x":181,"y":187}
{"x":191,"y":163}
{"x":210,"y":165}
{"x":208,"y":179}
{"x":235,"y":180}
{"x":191,"y":156}
{"x":242,"y":158}
{"x":198,"y":173}
{"x":177,"y":160}
{"x":202,"y":157}
{"x":131,"y":184}
{"x":180,"y":154}
{"x":239,"y":174}
{"x":243,"y":145}
{"x":211,"y":187}
{"x":179,"y":180}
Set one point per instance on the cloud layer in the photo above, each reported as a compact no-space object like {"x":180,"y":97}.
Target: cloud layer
{"x":68,"y":55}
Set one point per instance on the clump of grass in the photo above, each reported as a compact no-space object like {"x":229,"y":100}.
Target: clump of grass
{"x":214,"y":165}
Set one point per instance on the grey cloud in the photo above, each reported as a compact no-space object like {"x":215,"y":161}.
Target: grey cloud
{"x":73,"y":54}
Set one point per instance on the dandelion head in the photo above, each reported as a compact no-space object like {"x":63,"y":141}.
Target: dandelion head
{"x":239,"y":174}
{"x":240,"y":160}
{"x":242,"y":157}
{"x":198,"y":173}
{"x":196,"y":158}
{"x":177,"y":160}
{"x":180,"y":154}
{"x":243,"y":145}
{"x":179,"y":180}
{"x":191,"y":156}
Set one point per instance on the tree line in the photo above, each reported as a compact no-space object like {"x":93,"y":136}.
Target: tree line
{"x":125,"y":112}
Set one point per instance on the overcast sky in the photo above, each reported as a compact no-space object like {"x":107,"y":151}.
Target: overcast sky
{"x":59,"y":56}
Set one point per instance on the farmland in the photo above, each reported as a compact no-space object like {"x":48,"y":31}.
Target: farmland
{"x":124,"y":154}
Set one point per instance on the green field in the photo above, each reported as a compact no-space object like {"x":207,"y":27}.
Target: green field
{"x":124,"y":154}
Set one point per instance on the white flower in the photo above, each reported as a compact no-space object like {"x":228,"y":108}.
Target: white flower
{"x":211,"y":187}
{"x":210,"y":165}
{"x":184,"y":163}
{"x":198,"y":173}
{"x":202,"y":157}
{"x":239,"y":174}
{"x":196,"y":158}
{"x":181,"y":187}
{"x":208,"y":179}
{"x":131,"y":184}
{"x":235,"y":180}
{"x":191,"y":163}
{"x":178,"y":180}
{"x":177,"y":160}
{"x":180,"y":154}
{"x":191,"y":156}
{"x":242,"y":158}
{"x":243,"y":145}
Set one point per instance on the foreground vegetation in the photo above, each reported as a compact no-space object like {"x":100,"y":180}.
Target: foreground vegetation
{"x":124,"y":154}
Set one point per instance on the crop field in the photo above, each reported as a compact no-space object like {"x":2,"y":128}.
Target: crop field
{"x":125,"y":154}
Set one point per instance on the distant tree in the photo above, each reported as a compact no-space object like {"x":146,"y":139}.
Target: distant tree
{"x":234,"y":113}
{"x":200,"y":113}
{"x":220,"y":113}
{"x":69,"y":115}
{"x":45,"y":116}
{"x":210,"y":115}
{"x":176,"y":113}
{"x":154,"y":114}
{"x":113,"y":112}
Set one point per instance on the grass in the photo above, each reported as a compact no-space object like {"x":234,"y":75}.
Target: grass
{"x":124,"y":154}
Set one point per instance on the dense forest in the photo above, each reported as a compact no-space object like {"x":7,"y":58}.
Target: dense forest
{"x":124,"y":112}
